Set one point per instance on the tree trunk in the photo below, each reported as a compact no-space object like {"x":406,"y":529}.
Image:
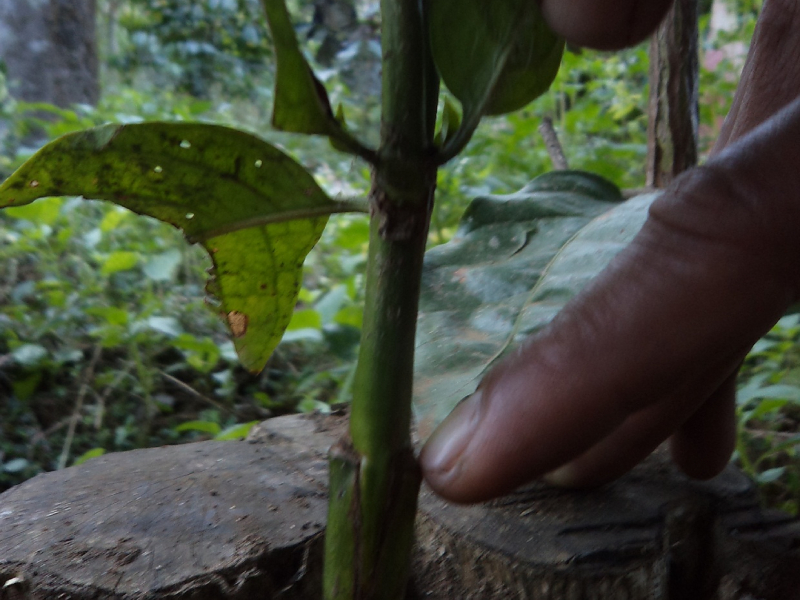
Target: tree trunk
{"x":673,"y":106}
{"x":244,"y":521}
{"x":50,"y":51}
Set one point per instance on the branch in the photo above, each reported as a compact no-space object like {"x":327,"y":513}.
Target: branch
{"x":76,"y":413}
{"x":554,"y":148}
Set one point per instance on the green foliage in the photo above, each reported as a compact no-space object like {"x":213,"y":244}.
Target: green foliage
{"x":207,"y":43}
{"x":768,"y":410}
{"x":495,"y":61}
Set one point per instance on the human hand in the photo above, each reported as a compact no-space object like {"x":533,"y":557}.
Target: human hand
{"x":650,"y":350}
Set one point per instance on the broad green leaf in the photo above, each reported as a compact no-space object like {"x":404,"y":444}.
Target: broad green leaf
{"x":531,"y":66}
{"x":494,"y":60}
{"x":119,"y":261}
{"x":255,"y":210}
{"x":513,"y":264}
{"x":301,"y":102}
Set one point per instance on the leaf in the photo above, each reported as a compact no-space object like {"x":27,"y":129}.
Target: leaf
{"x":305,"y":319}
{"x":111,"y":220}
{"x":255,"y":210}
{"x":169,"y":326}
{"x":201,"y":426}
{"x":494,"y":61}
{"x":15,"y":465}
{"x":119,"y":261}
{"x":29,"y":355}
{"x":770,"y":475}
{"x":778,"y":391}
{"x":451,"y":121}
{"x":235,"y":432}
{"x":44,"y":213}
{"x":301,"y":102}
{"x":513,"y":264}
{"x":88,"y":455}
{"x":162,"y":267}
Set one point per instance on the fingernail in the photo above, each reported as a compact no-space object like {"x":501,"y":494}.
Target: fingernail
{"x":447,"y":444}
{"x":563,"y":477}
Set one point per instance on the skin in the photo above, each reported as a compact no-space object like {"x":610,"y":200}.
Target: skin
{"x":649,"y":352}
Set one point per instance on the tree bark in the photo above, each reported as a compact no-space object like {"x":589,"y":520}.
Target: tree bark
{"x":673,"y":106}
{"x":50,"y":51}
{"x":244,"y":521}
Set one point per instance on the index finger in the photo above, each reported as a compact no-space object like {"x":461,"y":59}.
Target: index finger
{"x":604,"y":24}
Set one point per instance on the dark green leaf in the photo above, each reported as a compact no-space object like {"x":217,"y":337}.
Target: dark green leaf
{"x":514,"y":263}
{"x":531,"y":66}
{"x":256,"y":210}
{"x":301,"y":102}
{"x":493,"y":60}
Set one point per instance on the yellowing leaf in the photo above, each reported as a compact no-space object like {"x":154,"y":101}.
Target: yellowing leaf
{"x":254,"y":209}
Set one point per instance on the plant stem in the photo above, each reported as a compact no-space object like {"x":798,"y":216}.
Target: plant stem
{"x":374,"y":476}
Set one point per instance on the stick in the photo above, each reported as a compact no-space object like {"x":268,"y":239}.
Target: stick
{"x":76,"y":414}
{"x":189,"y":389}
{"x":554,"y":149}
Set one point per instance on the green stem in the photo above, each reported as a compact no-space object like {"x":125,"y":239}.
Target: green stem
{"x":374,"y":477}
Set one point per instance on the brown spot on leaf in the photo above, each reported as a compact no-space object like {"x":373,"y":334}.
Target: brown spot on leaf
{"x":34,"y":184}
{"x":238,"y":323}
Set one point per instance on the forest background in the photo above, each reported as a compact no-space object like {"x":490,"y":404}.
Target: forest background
{"x":105,"y":344}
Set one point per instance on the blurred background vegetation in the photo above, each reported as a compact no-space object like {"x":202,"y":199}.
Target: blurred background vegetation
{"x":105,"y":343}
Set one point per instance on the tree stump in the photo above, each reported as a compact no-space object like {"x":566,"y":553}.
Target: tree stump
{"x":244,"y":520}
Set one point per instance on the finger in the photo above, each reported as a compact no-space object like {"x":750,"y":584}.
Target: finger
{"x":771,"y":76}
{"x":644,"y":431}
{"x":702,"y":446}
{"x":651,"y":324}
{"x":604,"y":25}
{"x":640,"y":332}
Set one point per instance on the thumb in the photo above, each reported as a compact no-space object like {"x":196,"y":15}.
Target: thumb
{"x":628,"y":362}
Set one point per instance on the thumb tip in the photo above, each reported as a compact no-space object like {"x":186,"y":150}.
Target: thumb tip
{"x":446,"y":453}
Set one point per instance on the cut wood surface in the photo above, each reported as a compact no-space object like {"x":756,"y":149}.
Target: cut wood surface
{"x":244,"y":520}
